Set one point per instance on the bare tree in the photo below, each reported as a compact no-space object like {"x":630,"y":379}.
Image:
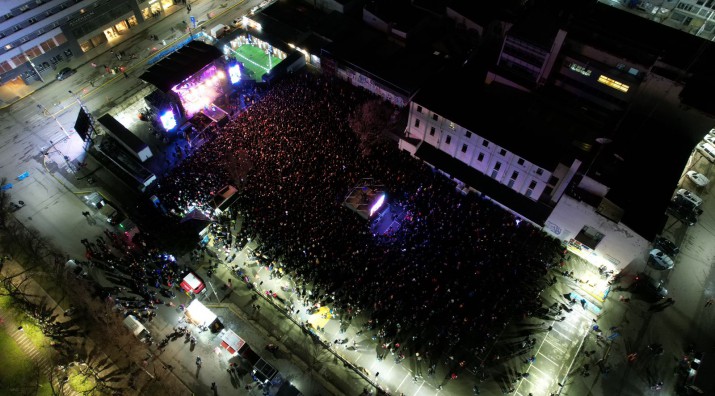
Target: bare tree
{"x":370,"y":121}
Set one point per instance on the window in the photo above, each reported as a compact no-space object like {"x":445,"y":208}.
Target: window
{"x":25,"y":8}
{"x":452,"y":126}
{"x":520,"y":161}
{"x":419,"y":109}
{"x":539,"y":171}
{"x":512,"y":180}
{"x":502,"y":152}
{"x":8,"y":16}
{"x":16,"y":28}
{"x":435,"y":117}
{"x":531,"y":188}
{"x":448,"y":140}
{"x":8,"y":47}
{"x":417,"y":122}
{"x":495,"y":171}
{"x":32,"y":20}
{"x":431,"y":131}
{"x":485,"y":143}
{"x":579,"y":69}
{"x":480,"y":157}
{"x":468,"y":134}
{"x":553,"y":180}
{"x":613,"y":83}
{"x":464,"y":148}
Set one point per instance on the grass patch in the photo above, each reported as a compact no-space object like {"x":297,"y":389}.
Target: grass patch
{"x":255,"y":60}
{"x":81,"y":382}
{"x":18,"y":370}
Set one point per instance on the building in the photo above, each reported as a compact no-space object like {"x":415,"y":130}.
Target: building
{"x":36,"y":35}
{"x":569,"y":106}
{"x":695,"y":17}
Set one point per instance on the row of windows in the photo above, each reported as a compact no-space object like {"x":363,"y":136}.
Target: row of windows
{"x":33,"y":52}
{"x":485,"y":143}
{"x":33,"y":20}
{"x":24,"y":8}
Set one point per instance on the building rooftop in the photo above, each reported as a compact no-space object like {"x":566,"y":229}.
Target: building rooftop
{"x":401,"y":68}
{"x":528,"y":125}
{"x":399,"y":13}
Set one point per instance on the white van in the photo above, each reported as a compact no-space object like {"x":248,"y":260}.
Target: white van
{"x":707,"y":150}
{"x":135,"y":326}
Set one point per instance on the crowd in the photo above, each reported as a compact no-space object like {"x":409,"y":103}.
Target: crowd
{"x":447,"y":281}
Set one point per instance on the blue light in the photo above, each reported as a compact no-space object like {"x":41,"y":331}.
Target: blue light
{"x":167,"y":120}
{"x":234,"y":73}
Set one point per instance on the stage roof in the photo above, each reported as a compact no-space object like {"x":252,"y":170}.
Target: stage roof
{"x":180,"y":65}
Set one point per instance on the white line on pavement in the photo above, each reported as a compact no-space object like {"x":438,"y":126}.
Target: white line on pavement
{"x":553,"y":345}
{"x":403,"y":381}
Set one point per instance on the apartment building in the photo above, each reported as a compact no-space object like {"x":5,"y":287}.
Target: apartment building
{"x":36,"y":35}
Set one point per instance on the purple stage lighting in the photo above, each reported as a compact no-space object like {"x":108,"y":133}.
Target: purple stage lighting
{"x":377,"y":205}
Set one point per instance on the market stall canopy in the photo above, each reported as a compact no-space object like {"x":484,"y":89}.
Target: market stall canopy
{"x":231,"y":341}
{"x":182,"y":64}
{"x":198,"y":313}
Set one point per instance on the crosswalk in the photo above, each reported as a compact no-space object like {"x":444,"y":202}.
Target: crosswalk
{"x":38,"y":358}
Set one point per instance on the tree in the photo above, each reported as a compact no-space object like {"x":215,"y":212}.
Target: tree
{"x":370,"y":121}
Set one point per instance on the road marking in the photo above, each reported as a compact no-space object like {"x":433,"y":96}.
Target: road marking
{"x":418,"y":389}
{"x":553,"y":345}
{"x":537,"y":369}
{"x":403,"y":381}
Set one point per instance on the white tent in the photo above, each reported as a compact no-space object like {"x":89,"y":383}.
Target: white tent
{"x":199,"y":314}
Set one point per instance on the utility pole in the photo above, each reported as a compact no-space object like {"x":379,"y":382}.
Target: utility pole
{"x":34,"y":68}
{"x":48,"y":114}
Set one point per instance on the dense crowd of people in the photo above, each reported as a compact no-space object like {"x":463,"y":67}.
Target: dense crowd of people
{"x":450,"y":277}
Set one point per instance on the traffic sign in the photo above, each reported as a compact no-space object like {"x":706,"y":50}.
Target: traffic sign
{"x":193,"y":21}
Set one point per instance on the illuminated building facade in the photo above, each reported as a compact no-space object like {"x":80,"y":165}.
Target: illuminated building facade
{"x":49,"y":31}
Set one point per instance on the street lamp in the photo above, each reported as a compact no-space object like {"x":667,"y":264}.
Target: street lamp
{"x":48,"y":113}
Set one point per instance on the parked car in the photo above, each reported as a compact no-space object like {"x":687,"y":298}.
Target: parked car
{"x":684,"y":214}
{"x":698,"y":178}
{"x":687,"y":198}
{"x":66,"y":72}
{"x":650,"y":287}
{"x":659,"y":260}
{"x":666,"y":245}
{"x":709,"y":138}
{"x":707,"y":150}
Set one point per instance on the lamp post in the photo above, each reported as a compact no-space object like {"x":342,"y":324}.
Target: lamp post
{"x":47,"y":113}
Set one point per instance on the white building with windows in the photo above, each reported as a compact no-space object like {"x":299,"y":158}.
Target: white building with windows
{"x":520,"y":160}
{"x":36,"y":35}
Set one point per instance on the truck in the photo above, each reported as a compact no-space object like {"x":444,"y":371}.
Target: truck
{"x":219,"y":30}
{"x":125,"y":137}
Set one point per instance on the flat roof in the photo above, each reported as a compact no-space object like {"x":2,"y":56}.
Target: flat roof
{"x":526,"y":124}
{"x":180,"y":65}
